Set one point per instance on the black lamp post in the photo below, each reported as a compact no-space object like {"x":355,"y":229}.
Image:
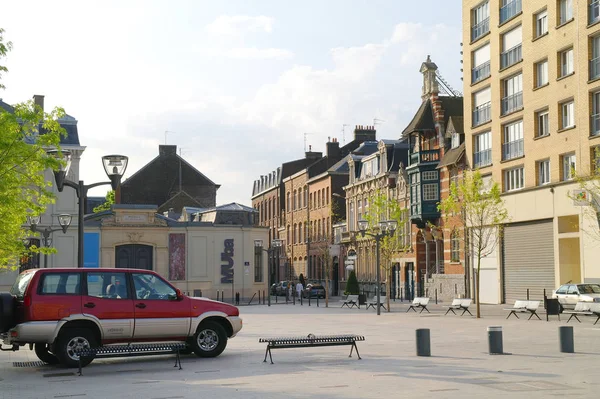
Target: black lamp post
{"x":63,"y":219}
{"x":114,"y":166}
{"x":386,"y":228}
{"x":275,"y":245}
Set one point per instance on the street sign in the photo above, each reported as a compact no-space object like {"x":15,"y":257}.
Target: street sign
{"x":349,"y":262}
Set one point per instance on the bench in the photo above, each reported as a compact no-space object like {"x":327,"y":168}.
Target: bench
{"x":311,"y":341}
{"x":460,"y":304}
{"x":530,"y":307}
{"x":373,"y":302}
{"x":131,"y":350}
{"x":350,"y":301}
{"x":419,"y":302}
{"x":584,"y":309}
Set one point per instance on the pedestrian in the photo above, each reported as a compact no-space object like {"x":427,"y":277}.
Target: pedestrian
{"x":290,"y":289}
{"x":299,"y":289}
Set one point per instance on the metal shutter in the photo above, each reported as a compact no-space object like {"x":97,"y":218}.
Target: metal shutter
{"x":528,"y":261}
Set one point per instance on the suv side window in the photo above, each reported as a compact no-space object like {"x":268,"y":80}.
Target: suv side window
{"x":149,"y":286}
{"x":107,"y":285}
{"x":60,"y":284}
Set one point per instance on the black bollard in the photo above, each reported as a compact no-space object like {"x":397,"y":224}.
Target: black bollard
{"x":565,"y":336}
{"x":317,"y":300}
{"x":423,"y":342}
{"x":495,"y":340}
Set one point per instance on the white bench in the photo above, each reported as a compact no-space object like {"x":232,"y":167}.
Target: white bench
{"x":584,"y":309}
{"x":419,"y":302}
{"x":373,"y":302}
{"x":530,"y":307}
{"x":350,"y":301}
{"x":460,"y":304}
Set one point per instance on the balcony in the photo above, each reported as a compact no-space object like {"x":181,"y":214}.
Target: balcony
{"x":482,"y":114}
{"x":512,"y":103}
{"x":595,"y":125}
{"x":482,"y":158}
{"x":511,"y":56}
{"x":595,"y":68}
{"x":425,"y":156}
{"x":594,"y":12}
{"x":480,"y":29}
{"x":510,"y":10}
{"x":512,"y":149}
{"x":480,"y":72}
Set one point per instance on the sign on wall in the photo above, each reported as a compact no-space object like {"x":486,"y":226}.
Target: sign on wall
{"x":227,"y":262}
{"x":177,"y":256}
{"x":91,"y":250}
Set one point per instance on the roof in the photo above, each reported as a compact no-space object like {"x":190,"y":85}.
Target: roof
{"x":233,"y":206}
{"x":455,"y":125}
{"x":452,"y":156}
{"x":423,"y":119}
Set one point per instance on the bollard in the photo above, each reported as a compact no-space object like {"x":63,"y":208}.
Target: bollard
{"x":294,"y":297}
{"x":423,"y":342}
{"x":495,"y":340}
{"x":317,"y":300}
{"x":565,"y":336}
{"x":527,"y":293}
{"x":436,"y":296}
{"x":301,"y":304}
{"x":308,"y":299}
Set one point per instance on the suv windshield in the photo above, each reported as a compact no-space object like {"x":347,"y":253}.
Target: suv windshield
{"x":589,"y":288}
{"x":20,"y":286}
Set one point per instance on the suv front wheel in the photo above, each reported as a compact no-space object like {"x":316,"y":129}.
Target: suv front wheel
{"x":69,"y":341}
{"x":210,"y":339}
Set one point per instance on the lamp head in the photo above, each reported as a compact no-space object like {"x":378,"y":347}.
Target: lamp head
{"x":362,"y":226}
{"x":392,"y":225}
{"x":60,"y":174}
{"x":64,"y":219}
{"x":276,"y":243}
{"x":115,"y":166}
{"x":258,"y":243}
{"x":34,"y":221}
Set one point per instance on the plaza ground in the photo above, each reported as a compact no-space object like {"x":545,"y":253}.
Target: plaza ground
{"x":459,"y":366}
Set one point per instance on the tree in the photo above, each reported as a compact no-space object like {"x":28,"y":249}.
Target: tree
{"x":110,"y":200}
{"x":326,"y":260}
{"x":5,"y":47}
{"x":25,"y":134}
{"x":382,"y":207}
{"x":482,"y":214}
{"x":352,"y":284}
{"x":588,"y":195}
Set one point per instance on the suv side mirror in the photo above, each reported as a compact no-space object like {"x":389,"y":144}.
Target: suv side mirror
{"x":179,"y":294}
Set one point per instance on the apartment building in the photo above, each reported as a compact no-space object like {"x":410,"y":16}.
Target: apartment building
{"x":531,"y":72}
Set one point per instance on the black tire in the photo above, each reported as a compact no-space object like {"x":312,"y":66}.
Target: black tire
{"x":7,"y":311}
{"x":70,"y":339}
{"x":43,"y":353}
{"x":210,"y":339}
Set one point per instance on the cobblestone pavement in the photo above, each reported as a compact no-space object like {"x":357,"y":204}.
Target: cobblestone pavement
{"x":459,"y":366}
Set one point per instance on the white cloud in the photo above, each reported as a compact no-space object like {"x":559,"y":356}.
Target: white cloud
{"x":251,"y":53}
{"x":237,"y":24}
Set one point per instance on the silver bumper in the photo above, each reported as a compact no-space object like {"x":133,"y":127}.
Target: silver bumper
{"x":236,"y":324}
{"x":31,"y":332}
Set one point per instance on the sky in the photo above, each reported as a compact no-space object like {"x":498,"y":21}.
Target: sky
{"x":240,"y":86}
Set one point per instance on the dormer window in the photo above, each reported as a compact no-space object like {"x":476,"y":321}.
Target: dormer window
{"x":455,"y":140}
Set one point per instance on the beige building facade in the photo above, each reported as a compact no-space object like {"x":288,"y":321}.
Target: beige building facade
{"x":531,"y":72}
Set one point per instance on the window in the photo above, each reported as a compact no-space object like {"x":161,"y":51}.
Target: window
{"x":455,"y":140}
{"x":327,"y":195}
{"x":541,"y":23}
{"x":482,"y":155}
{"x":595,"y":116}
{"x":566,"y":62}
{"x":107,"y":285}
{"x":351,"y":216}
{"x":60,"y":284}
{"x":541,"y":124}
{"x":595,"y":54}
{"x":149,"y":286}
{"x":430,"y":175}
{"x":481,"y":63}
{"x":258,"y":268}
{"x":513,"y":141}
{"x":565,"y":11}
{"x":567,"y":112}
{"x":480,"y":16}
{"x":482,"y":106}
{"x":595,"y":161}
{"x":513,"y":94}
{"x":508,"y":9}
{"x":455,"y":247}
{"x":288,"y":204}
{"x":430,"y":192}
{"x":594,"y":11}
{"x":543,"y":168}
{"x":486,"y":183}
{"x":569,"y":164}
{"x":541,"y":73}
{"x":513,"y":179}
{"x":511,"y":47}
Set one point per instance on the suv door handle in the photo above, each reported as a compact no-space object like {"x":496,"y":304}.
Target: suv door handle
{"x":140,"y":305}
{"x":90,"y":305}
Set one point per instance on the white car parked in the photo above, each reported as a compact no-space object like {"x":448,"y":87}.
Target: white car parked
{"x":569,"y":294}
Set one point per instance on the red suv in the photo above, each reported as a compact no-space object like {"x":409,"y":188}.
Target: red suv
{"x":58,"y":311}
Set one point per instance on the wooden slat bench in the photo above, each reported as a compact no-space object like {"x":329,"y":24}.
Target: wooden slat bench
{"x":132,"y":350}
{"x":311,"y":341}
{"x":350,"y":301}
{"x":419,"y":302}
{"x":460,"y":304}
{"x":373,"y":302}
{"x":530,"y":307}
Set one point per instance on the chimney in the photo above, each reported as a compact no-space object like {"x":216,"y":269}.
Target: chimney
{"x":313,"y":155}
{"x":167,"y":150}
{"x":430,"y":84}
{"x":333,"y":149}
{"x":365,"y":133}
{"x":38,"y":100}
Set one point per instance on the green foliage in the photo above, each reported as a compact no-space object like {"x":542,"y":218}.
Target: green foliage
{"x":5,"y":47}
{"x":352,"y":284}
{"x":110,"y":200}
{"x":589,"y":191}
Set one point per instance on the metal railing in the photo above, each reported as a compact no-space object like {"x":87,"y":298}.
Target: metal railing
{"x":510,"y":10}
{"x":482,"y":158}
{"x":512,"y":103}
{"x":595,"y":125}
{"x":480,"y":29}
{"x":480,"y":72}
{"x":511,"y":56}
{"x":424,"y":156}
{"x":512,"y":149}
{"x":482,"y":114}
{"x":595,"y":68}
{"x":594,"y":12}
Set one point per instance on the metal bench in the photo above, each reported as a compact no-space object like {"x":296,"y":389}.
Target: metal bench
{"x":419,"y":302}
{"x":373,"y":302}
{"x":584,"y":309}
{"x":350,"y":301}
{"x":132,"y":350}
{"x":460,"y":304}
{"x":530,"y":307}
{"x":310,"y":341}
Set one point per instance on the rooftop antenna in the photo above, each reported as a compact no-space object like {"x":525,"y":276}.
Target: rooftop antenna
{"x":166,"y":132}
{"x":180,"y":177}
{"x":305,"y":140}
{"x":344,"y":134}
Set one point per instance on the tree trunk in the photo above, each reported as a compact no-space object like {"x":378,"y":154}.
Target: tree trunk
{"x":477,"y":283}
{"x":388,"y":288}
{"x":327,"y":289}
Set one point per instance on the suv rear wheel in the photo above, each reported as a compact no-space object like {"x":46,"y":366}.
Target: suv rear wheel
{"x":42,"y":351}
{"x":7,"y":314}
{"x":210,"y":339}
{"x":69,"y":341}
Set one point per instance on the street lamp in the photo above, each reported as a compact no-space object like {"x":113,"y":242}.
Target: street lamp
{"x":114,"y":166}
{"x":64,"y":220}
{"x":386,"y":228}
{"x":275,"y":245}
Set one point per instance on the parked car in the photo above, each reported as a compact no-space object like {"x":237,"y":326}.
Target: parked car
{"x":569,"y":294}
{"x":57,"y":311}
{"x":280,"y":288}
{"x":313,"y":291}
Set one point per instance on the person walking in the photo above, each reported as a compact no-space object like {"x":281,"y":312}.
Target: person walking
{"x":299,"y":289}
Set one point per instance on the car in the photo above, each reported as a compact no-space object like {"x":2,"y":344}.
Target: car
{"x":314,"y":291}
{"x":569,"y":294}
{"x":280,"y":288}
{"x":57,"y":311}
